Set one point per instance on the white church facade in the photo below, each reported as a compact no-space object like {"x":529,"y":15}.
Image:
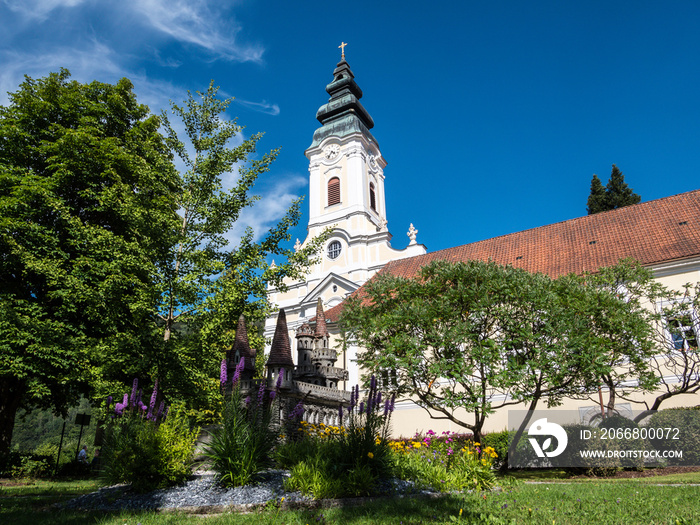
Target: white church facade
{"x":346,"y":194}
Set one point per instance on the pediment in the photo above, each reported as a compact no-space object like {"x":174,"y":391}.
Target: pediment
{"x":332,"y":290}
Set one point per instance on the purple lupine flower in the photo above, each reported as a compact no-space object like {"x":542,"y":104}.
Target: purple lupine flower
{"x":118,"y":409}
{"x":352,"y":398}
{"x":393,"y":401}
{"x":386,"y":407}
{"x":223,"y":374}
{"x":378,"y":399}
{"x":362,"y":406}
{"x":138,"y":398}
{"x":152,"y":404}
{"x":261,"y":393}
{"x":109,"y":401}
{"x":278,"y":383}
{"x":372,"y":383}
{"x":340,"y":415}
{"x":273,"y":393}
{"x":247,"y":401}
{"x":134,"y":390}
{"x":165,"y":413}
{"x":125,"y":401}
{"x":298,"y":411}
{"x":160,"y":410}
{"x":237,"y":373}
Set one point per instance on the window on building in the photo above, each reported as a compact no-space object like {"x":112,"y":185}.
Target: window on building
{"x":334,"y":249}
{"x":683,"y":329}
{"x":334,"y":191}
{"x":372,"y":198}
{"x":388,"y":379}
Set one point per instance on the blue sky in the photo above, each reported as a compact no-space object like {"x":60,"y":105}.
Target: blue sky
{"x":493,"y":116}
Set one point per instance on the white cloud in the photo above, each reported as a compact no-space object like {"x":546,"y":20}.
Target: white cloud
{"x":39,"y":9}
{"x":271,"y":207}
{"x":262,"y":107}
{"x":194,"y":22}
{"x":86,"y":64}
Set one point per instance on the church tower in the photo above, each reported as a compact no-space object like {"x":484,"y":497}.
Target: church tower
{"x":346,"y":171}
{"x":346,"y":194}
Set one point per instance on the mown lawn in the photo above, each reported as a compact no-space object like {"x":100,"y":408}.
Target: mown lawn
{"x":549,"y":501}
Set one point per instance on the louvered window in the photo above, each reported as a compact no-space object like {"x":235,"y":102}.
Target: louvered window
{"x":372,"y":199}
{"x":334,"y":191}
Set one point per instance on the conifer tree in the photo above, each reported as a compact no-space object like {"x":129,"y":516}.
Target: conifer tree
{"x":615,"y":195}
{"x":597,"y":198}
{"x":618,"y":193}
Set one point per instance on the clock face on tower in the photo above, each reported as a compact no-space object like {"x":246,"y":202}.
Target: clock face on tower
{"x":331,"y":151}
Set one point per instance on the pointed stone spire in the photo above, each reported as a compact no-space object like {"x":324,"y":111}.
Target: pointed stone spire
{"x":321,"y":330}
{"x":281,"y":352}
{"x":242,"y":346}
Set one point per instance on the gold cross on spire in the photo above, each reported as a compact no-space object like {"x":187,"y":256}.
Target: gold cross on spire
{"x":342,"y":50}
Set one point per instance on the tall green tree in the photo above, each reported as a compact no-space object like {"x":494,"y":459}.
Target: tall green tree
{"x":616,"y":194}
{"x":597,"y":198}
{"x":86,"y":184}
{"x":465,"y":339}
{"x":206,"y":282}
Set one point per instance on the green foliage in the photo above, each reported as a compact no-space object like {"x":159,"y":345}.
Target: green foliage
{"x":242,"y":446}
{"x":205,"y":283}
{"x":615,"y":195}
{"x":461,"y":332}
{"x":446,"y":463}
{"x":687,"y":420}
{"x":347,"y":460}
{"x":147,"y":454}
{"x":499,"y":442}
{"x":597,"y":198}
{"x":85,"y":213}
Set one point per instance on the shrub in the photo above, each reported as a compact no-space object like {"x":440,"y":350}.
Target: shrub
{"x":687,"y":420}
{"x":342,"y":461}
{"x":450,"y":462}
{"x":147,"y":449}
{"x":241,"y":447}
{"x":499,"y":442}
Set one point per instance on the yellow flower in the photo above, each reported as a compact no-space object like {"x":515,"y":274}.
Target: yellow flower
{"x":370,"y":455}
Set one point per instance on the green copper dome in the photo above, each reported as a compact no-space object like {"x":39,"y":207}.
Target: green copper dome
{"x":343,"y":114}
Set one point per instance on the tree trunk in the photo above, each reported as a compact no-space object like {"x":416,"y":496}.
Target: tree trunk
{"x":10,"y":399}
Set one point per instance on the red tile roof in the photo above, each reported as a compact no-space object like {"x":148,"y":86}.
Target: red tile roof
{"x":652,"y":232}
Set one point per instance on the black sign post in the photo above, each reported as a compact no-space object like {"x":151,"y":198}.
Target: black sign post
{"x":82,"y":420}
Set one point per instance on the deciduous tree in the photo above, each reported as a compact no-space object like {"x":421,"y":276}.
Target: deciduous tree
{"x":465,"y":339}
{"x":205,"y":281}
{"x":85,"y":209}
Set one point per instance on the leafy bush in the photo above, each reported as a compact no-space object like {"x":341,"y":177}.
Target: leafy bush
{"x":342,"y":461}
{"x":687,"y":420}
{"x":499,"y":442}
{"x":241,"y":447}
{"x":450,"y":462}
{"x":147,"y":449}
{"x":32,"y":467}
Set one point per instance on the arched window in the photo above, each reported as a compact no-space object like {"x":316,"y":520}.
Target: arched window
{"x":334,"y":191}
{"x":372,"y":199}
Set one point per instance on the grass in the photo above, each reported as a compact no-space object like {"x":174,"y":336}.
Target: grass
{"x":578,"y":502}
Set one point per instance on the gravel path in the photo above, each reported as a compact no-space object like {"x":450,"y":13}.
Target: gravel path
{"x":202,"y":494}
